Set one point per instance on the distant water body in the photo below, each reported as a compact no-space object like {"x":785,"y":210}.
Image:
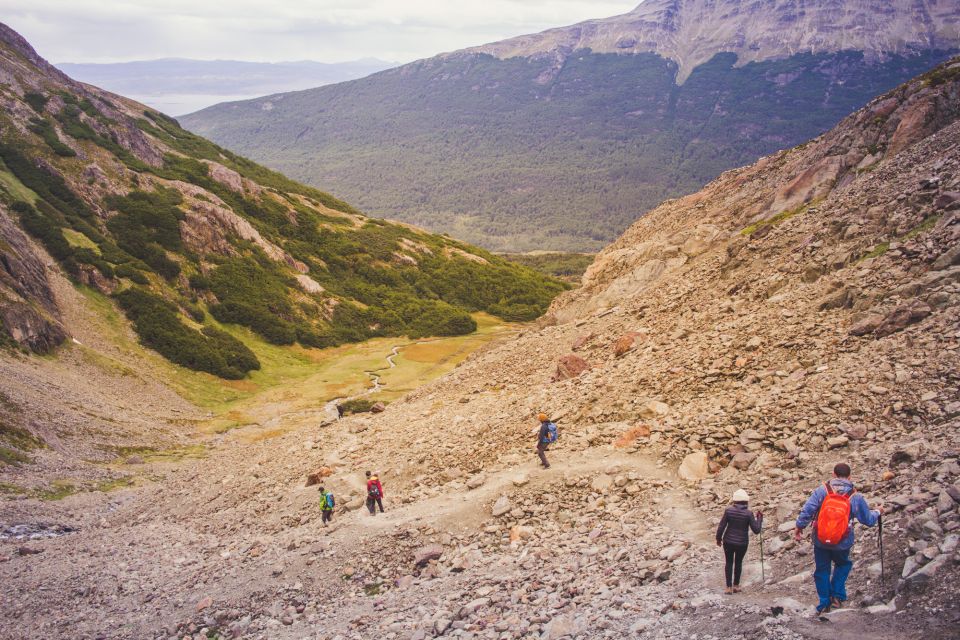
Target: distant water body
{"x":182,"y":104}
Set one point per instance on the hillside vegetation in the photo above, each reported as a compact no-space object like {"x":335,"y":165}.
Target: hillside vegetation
{"x":188,"y":236}
{"x":525,"y":154}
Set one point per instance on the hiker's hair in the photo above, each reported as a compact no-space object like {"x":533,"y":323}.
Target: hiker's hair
{"x":369,"y":473}
{"x":842,"y":470}
{"x":321,"y":488}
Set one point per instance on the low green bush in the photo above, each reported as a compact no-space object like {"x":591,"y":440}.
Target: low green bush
{"x":156,"y":322}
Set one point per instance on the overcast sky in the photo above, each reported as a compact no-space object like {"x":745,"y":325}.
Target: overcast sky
{"x":275,"y":30}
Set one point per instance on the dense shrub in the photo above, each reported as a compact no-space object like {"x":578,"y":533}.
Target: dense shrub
{"x":147,"y":224}
{"x":357,"y":405}
{"x":49,"y":186}
{"x":37,"y":101}
{"x":44,"y":128}
{"x":134,"y":274}
{"x":156,"y":322}
{"x":254,"y":295}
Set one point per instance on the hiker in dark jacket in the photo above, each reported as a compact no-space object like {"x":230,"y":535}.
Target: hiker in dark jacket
{"x":733,"y":535}
{"x":543,"y":439}
{"x":832,"y":561}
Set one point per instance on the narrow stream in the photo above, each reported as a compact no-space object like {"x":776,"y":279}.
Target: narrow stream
{"x":37,"y":531}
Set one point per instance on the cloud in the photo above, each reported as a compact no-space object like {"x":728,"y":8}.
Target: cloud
{"x":327,"y":30}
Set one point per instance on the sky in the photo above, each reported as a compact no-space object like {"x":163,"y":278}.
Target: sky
{"x":280,"y":30}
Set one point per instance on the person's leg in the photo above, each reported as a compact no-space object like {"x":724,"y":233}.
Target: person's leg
{"x":739,"y":553}
{"x":841,"y":571}
{"x":371,"y":506}
{"x":821,"y":576}
{"x":541,"y":451}
{"x":728,"y":552}
{"x":380,"y":504}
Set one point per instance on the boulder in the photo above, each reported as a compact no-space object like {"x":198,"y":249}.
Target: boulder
{"x":476,"y":481}
{"x":520,"y":532}
{"x":501,"y":507}
{"x":695,"y":466}
{"x":743,"y":460}
{"x":423,"y":555}
{"x":865,"y":324}
{"x":378,"y":407}
{"x":624,"y":344}
{"x":902,"y":317}
{"x":602,"y":483}
{"x":317,"y":476}
{"x":570,"y":366}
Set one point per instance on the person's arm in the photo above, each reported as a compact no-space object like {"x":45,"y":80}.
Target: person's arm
{"x":756,"y":522}
{"x":861,"y":511}
{"x":810,"y":509}
{"x":722,"y":528}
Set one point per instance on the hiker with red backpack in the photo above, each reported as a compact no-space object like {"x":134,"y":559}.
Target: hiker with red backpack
{"x":546,"y":435}
{"x":831,"y":509}
{"x":733,"y":535}
{"x":374,"y":493}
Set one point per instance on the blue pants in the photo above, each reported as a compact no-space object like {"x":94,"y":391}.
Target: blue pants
{"x":838,"y":563}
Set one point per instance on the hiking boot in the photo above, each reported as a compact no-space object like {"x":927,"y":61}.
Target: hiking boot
{"x":736,"y":589}
{"x":836,"y":603}
{"x":821,"y":611}
{"x":728,"y":591}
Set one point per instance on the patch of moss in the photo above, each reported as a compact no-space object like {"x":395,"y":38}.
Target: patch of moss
{"x":877,"y":251}
{"x":923,"y":227}
{"x":777,"y":219}
{"x":113,"y":484}
{"x":58,"y":490}
{"x":7,"y":488}
{"x":13,"y":457}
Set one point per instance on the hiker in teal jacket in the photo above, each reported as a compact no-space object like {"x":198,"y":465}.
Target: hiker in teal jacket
{"x":832,"y":561}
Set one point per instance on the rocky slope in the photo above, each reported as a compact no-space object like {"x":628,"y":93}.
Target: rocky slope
{"x":561,"y":140}
{"x":794,"y":313}
{"x":691,"y":32}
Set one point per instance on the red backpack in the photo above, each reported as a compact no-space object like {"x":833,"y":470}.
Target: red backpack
{"x":833,"y":520}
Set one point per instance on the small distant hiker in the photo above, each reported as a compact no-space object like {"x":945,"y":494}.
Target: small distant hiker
{"x":546,"y":435}
{"x":374,"y":493}
{"x":339,"y":411}
{"x":327,"y":503}
{"x":831,"y":509}
{"x":733,"y":535}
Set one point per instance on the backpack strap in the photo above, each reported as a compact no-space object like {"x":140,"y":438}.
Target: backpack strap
{"x":829,"y":488}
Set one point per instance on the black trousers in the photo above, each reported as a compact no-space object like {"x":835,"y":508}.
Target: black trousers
{"x":327,"y":516}
{"x":734,"y":567}
{"x":373,"y":503}
{"x":541,"y":451}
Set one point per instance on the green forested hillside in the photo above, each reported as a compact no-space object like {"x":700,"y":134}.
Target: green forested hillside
{"x":516,"y":155}
{"x":189,"y":237}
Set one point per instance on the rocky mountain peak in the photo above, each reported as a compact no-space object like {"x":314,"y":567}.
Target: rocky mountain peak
{"x":691,"y":32}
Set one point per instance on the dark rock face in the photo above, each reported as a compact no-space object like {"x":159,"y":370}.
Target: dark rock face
{"x":28,"y":308}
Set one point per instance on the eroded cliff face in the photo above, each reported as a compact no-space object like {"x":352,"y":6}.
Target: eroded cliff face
{"x":28,"y":307}
{"x":691,"y":32}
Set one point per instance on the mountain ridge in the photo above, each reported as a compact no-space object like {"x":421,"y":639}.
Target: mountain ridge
{"x":691,"y":32}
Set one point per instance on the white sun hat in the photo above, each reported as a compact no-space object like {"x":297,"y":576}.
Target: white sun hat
{"x":740,"y":496}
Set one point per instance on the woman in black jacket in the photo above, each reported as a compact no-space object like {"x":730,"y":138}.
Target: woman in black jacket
{"x":733,"y":535}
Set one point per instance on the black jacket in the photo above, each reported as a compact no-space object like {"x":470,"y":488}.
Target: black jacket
{"x":734,"y":525}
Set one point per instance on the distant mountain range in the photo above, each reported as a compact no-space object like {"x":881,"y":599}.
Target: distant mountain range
{"x":560,"y":140}
{"x":177,"y":86}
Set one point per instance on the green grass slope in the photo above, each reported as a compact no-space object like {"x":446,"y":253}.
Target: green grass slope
{"x":188,"y":237}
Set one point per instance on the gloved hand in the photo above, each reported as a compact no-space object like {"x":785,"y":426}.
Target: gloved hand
{"x":719,"y":543}
{"x":759,"y":515}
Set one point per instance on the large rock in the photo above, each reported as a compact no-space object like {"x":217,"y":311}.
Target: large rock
{"x":423,"y":555}
{"x":570,"y":366}
{"x":695,"y":466}
{"x":501,"y":507}
{"x":602,"y":483}
{"x":624,"y":344}
{"x":902,"y":317}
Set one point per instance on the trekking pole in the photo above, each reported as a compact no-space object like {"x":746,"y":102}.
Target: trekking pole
{"x":883,"y":573}
{"x":763,"y":571}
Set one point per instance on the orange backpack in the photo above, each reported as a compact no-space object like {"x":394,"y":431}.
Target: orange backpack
{"x":833,"y":521}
